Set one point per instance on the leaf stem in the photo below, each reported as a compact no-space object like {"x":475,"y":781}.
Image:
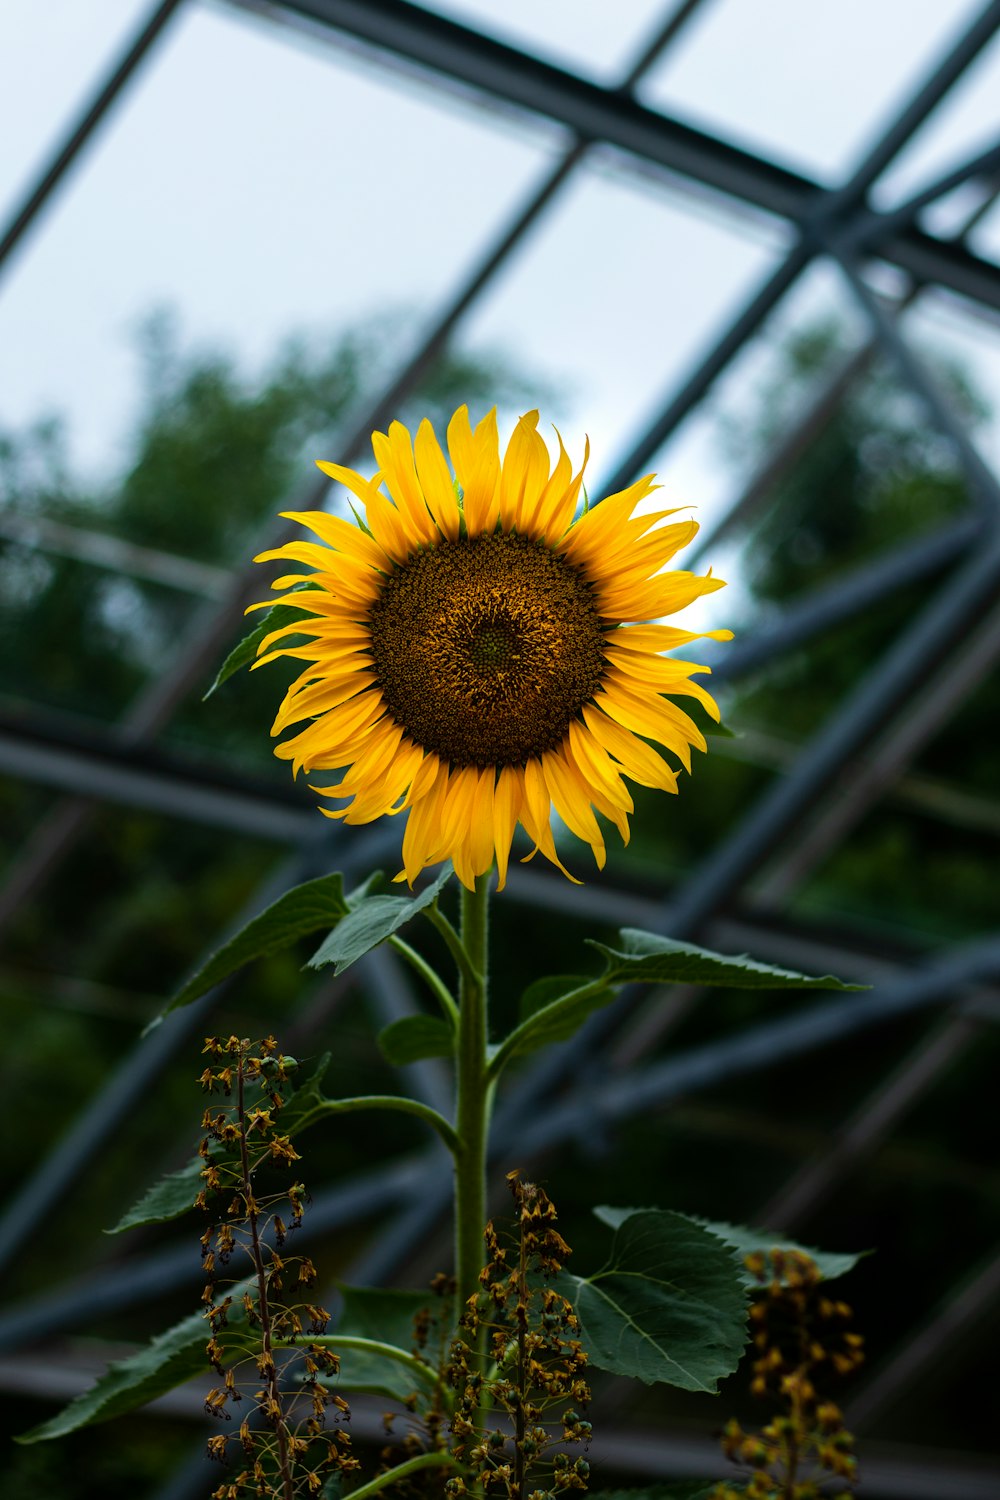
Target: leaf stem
{"x":433,"y":979}
{"x":512,"y":1043}
{"x":437,"y":1460}
{"x":454,"y":942}
{"x":398,"y":1102}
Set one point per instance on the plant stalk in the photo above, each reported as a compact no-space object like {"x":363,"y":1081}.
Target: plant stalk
{"x":473,"y":1092}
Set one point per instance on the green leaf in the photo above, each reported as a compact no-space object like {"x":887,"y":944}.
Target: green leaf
{"x":174,"y":1194}
{"x":647,"y":958}
{"x":303,"y":910}
{"x":171,"y":1358}
{"x":669,"y":1307}
{"x":831,"y":1264}
{"x":548,"y":1019}
{"x":388,"y":1317}
{"x":372,"y":920}
{"x":246,"y":652}
{"x":413,"y":1037}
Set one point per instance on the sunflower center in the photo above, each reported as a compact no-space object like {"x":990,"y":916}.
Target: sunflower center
{"x":485,"y":650}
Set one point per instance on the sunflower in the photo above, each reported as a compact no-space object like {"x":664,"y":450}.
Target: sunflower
{"x":478,"y":654}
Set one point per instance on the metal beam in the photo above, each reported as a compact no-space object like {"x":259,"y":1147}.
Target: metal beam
{"x":472,"y":61}
{"x":77,"y":138}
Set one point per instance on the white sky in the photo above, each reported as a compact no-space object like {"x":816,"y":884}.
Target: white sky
{"x":262,"y":183}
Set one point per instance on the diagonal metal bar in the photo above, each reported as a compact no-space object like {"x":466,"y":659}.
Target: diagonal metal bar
{"x":68,"y":152}
{"x":815,"y":223}
{"x":913,"y":370}
{"x":859,"y":1136}
{"x":940,"y":697}
{"x":846,"y":596}
{"x":956,"y":1315}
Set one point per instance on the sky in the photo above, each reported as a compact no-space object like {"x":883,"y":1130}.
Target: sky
{"x":261,"y":182}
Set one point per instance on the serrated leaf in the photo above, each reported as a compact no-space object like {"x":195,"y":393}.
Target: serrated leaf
{"x":647,"y":958}
{"x":305,"y":909}
{"x":388,"y":1317}
{"x":744,"y":1241}
{"x":546,"y":1019}
{"x":168,"y":1361}
{"x":372,"y":920}
{"x":670,"y":1306}
{"x":174,"y":1194}
{"x":246,"y":652}
{"x":413,"y":1037}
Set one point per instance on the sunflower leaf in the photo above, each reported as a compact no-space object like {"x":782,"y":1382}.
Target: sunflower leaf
{"x":386,"y":1317}
{"x":552,"y":1011}
{"x":244,"y":653}
{"x":303,"y":910}
{"x":414,"y":1037}
{"x":669,"y":1307}
{"x":175,"y":1193}
{"x":647,"y":958}
{"x":371,"y":921}
{"x":830,"y":1264}
{"x":168,"y":1361}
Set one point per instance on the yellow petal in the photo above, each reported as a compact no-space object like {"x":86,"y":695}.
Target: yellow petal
{"x":476,"y":460}
{"x":435,"y":481}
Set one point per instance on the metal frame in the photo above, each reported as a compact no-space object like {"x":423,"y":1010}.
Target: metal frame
{"x":874,"y":734}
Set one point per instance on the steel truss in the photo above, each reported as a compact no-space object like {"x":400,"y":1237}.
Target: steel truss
{"x":797,"y":821}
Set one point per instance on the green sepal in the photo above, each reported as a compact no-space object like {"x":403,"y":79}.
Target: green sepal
{"x":414,"y":1037}
{"x":647,"y":958}
{"x":371,"y":921}
{"x":174,"y":1194}
{"x":745,"y":1241}
{"x":669,"y":1307}
{"x":305,"y":909}
{"x":246,"y":652}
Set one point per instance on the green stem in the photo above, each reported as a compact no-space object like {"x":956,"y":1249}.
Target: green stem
{"x":398,"y":1102}
{"x":437,"y":985}
{"x":423,"y":1372}
{"x":473,"y":1091}
{"x":511,"y":1044}
{"x":436,"y":1460}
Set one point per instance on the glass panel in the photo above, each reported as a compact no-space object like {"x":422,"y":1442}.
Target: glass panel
{"x":53,"y":58}
{"x":810,"y":85}
{"x":964,"y":124}
{"x":615,"y":300}
{"x":258,"y":185}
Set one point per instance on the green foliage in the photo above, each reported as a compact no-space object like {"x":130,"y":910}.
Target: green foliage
{"x":175,"y":1193}
{"x":383,"y":1317}
{"x":372,"y":920}
{"x":647,"y":958}
{"x":245,"y":653}
{"x":744,"y":1241}
{"x":413,"y":1037}
{"x":670,"y":1306}
{"x":166,"y":1362}
{"x":554,"y":1008}
{"x":303,"y":910}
